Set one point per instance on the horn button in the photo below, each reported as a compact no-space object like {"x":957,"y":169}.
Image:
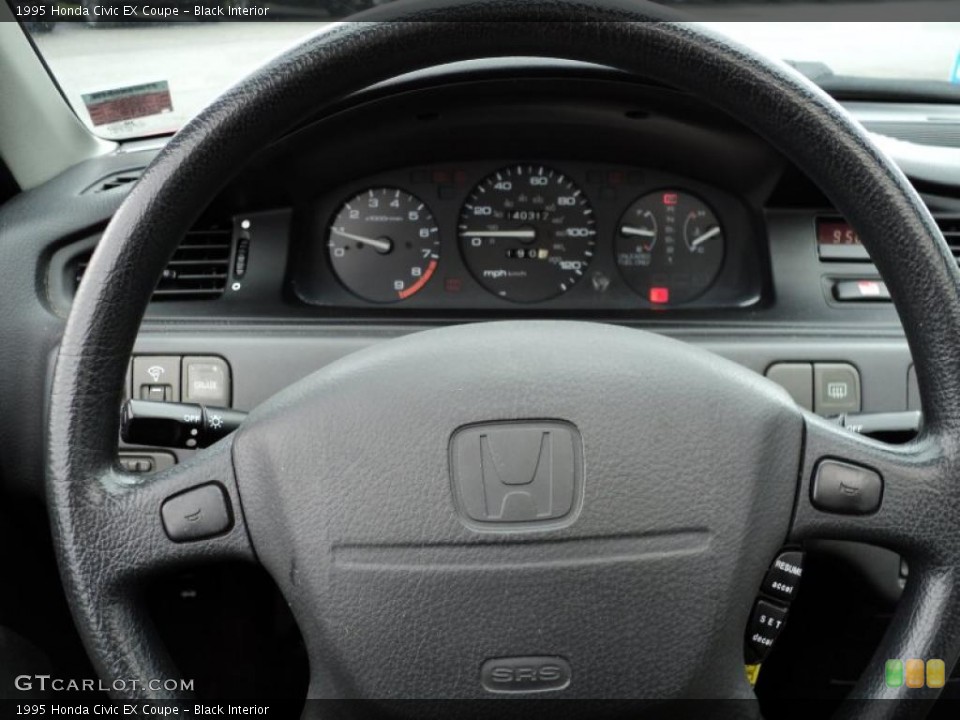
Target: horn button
{"x":442,"y":508}
{"x":517,"y":475}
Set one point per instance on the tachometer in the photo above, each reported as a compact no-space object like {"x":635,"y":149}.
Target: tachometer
{"x":669,"y":247}
{"x":527,"y":233}
{"x":384,"y":245}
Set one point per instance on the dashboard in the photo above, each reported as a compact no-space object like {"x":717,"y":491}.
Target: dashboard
{"x":529,"y":234}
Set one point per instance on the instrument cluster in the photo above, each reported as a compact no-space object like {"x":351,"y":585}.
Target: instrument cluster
{"x":521,"y":235}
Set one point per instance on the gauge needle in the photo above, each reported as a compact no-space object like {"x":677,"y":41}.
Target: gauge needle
{"x":383,"y":246}
{"x":709,"y":234}
{"x":638,"y":232}
{"x":518,"y":234}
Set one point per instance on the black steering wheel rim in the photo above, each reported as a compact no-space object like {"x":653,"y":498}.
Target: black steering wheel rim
{"x":88,"y":495}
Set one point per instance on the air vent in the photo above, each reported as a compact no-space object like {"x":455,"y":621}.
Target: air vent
{"x":199,"y":267}
{"x":950,"y":227}
{"x":919,"y":133}
{"x":116,"y":180}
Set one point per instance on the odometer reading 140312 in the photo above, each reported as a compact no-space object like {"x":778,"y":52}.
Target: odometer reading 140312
{"x":384,"y":245}
{"x":527,"y":233}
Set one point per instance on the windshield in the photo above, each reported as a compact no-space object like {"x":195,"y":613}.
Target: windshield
{"x":133,"y":79}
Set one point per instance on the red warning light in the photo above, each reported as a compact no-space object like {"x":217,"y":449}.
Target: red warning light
{"x":659,"y":295}
{"x":670,"y":198}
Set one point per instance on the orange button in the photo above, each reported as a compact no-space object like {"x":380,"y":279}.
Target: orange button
{"x":915,"y":673}
{"x":936,"y":674}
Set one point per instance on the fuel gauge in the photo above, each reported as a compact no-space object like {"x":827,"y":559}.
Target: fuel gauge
{"x":669,"y":247}
{"x":641,"y":229}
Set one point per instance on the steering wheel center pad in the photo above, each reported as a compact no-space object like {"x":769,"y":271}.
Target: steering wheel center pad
{"x":353,"y":484}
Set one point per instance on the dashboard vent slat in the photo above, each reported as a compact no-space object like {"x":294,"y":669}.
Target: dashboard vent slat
{"x":115,"y":180}
{"x":199,"y":268}
{"x":925,"y":132}
{"x":950,"y":227}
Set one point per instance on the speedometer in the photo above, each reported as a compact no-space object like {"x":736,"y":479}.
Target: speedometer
{"x":527,"y":233}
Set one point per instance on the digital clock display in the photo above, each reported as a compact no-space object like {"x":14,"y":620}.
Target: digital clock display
{"x":837,"y":240}
{"x":836,"y":232}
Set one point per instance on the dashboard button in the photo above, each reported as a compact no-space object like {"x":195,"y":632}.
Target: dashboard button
{"x":837,"y":388}
{"x":783,"y":577}
{"x":146,"y":462}
{"x":860,"y":291}
{"x":242,"y":258}
{"x":151,"y":371}
{"x":847,"y":489}
{"x":796,"y":379}
{"x":206,"y":381}
{"x":156,"y":393}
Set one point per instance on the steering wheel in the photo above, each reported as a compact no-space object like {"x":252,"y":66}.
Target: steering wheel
{"x":660,"y":480}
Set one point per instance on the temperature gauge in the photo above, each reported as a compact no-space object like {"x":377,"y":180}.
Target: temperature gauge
{"x":669,"y":247}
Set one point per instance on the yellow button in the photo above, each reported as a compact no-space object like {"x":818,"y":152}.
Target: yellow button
{"x":915,"y":673}
{"x":936,"y":674}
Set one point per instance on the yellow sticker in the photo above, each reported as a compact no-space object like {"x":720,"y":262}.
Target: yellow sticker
{"x":753,"y":672}
{"x":936,"y":673}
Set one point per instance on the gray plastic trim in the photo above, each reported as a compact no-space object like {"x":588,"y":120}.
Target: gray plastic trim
{"x":265,"y":361}
{"x":40,"y":135}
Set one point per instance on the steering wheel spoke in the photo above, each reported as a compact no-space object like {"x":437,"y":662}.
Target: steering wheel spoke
{"x":187,"y":515}
{"x":896,"y":496}
{"x":121,"y":518}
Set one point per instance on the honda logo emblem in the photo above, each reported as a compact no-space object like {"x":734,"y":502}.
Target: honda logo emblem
{"x":518,"y":473}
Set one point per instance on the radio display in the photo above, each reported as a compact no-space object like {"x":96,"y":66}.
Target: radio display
{"x":837,"y":240}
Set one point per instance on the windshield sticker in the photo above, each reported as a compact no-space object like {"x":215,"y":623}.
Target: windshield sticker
{"x":128,"y":103}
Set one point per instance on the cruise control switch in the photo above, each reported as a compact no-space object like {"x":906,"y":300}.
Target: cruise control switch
{"x":177,"y":425}
{"x":784,"y":575}
{"x":766,"y":622}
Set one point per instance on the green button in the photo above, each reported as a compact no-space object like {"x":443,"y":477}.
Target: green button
{"x":893,"y":673}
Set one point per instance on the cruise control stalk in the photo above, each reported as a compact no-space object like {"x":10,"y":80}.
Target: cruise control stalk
{"x":176,"y":425}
